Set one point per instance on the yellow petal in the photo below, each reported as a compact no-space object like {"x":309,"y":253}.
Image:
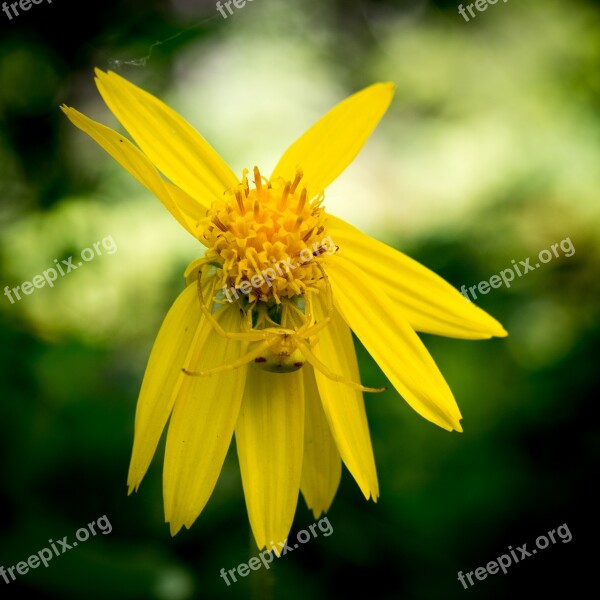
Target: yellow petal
{"x":132,"y":160}
{"x":321,"y":466}
{"x":203,"y":421}
{"x":333,"y":142}
{"x":344,"y":406}
{"x":192,"y":210}
{"x":269,"y":436}
{"x":428,"y":302}
{"x":169,"y":141}
{"x":162,"y":380}
{"x":392,"y":342}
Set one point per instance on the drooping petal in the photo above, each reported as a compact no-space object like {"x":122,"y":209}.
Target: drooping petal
{"x":162,"y":380}
{"x":132,"y":160}
{"x":169,"y":141}
{"x":333,"y":142}
{"x":321,"y":466}
{"x":343,"y":405}
{"x":203,"y":420}
{"x":270,"y":438}
{"x":393,"y":343}
{"x":428,"y":302}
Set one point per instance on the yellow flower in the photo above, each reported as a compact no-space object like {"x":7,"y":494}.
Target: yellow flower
{"x":259,"y":342}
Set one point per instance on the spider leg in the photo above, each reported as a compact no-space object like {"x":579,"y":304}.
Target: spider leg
{"x":292,"y":318}
{"x":308,"y":330}
{"x":240,"y":362}
{"x":248,"y":336}
{"x":325,"y":370}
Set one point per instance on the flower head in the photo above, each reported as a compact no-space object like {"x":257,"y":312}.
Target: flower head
{"x":255,"y":229}
{"x":259,"y":342}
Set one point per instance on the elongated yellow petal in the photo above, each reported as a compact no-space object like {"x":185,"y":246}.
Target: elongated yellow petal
{"x":169,"y":141}
{"x":428,"y":302}
{"x":203,"y":421}
{"x":333,"y":142}
{"x":321,"y":466}
{"x":392,"y":342}
{"x":344,"y":406}
{"x":269,"y":436}
{"x":162,"y":380}
{"x":192,"y":210}
{"x":132,"y":160}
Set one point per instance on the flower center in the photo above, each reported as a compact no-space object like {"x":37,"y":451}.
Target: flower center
{"x":266,"y":241}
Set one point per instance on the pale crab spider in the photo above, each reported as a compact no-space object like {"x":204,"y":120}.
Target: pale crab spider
{"x":278,"y":349}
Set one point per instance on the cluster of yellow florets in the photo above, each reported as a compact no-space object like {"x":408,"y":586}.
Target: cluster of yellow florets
{"x":266,"y":239}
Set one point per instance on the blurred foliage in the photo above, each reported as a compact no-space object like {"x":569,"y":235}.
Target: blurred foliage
{"x":489,"y":153}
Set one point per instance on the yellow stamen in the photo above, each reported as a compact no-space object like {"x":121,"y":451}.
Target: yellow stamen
{"x":238,"y":197}
{"x":299,"y":175}
{"x":284,"y":196}
{"x":302,"y":201}
{"x":218,"y":223}
{"x":257,"y":180}
{"x":276,"y":240}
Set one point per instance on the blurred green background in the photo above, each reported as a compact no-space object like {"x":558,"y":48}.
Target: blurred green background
{"x":489,"y":153}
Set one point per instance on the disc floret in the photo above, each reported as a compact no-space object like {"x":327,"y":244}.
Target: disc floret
{"x":272,"y":232}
